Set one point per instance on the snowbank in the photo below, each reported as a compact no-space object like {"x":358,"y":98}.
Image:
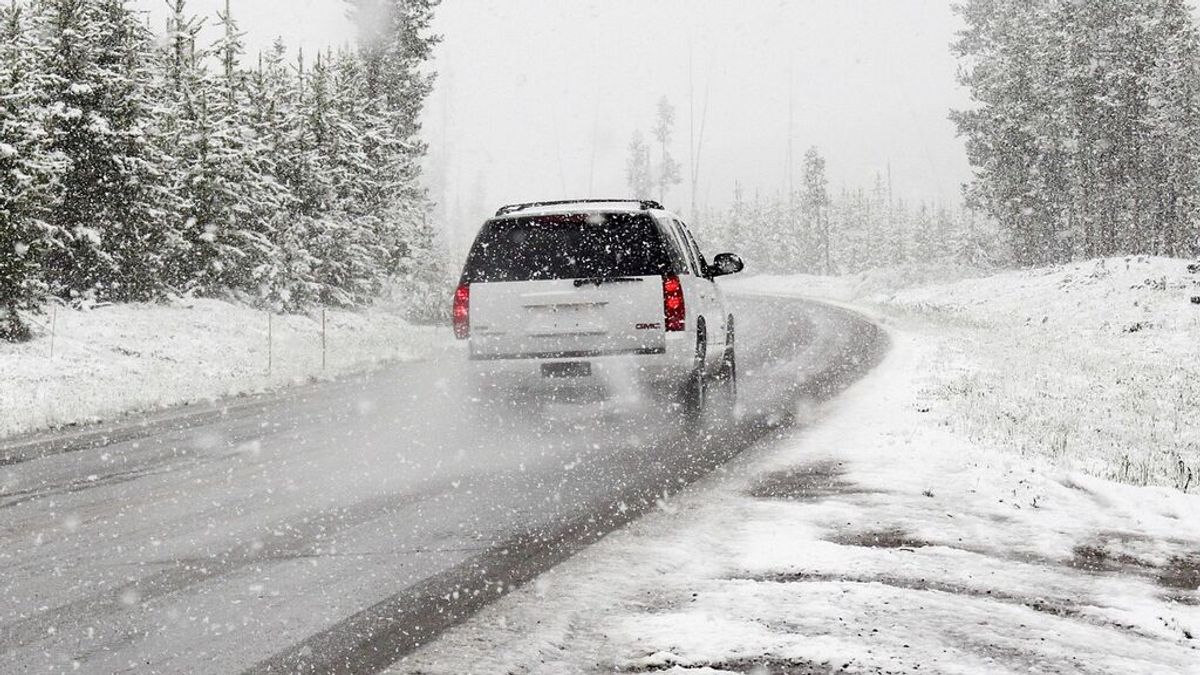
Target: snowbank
{"x":123,"y":358}
{"x":878,"y":540}
{"x":1096,"y":364}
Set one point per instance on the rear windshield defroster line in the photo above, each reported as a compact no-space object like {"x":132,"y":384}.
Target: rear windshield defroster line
{"x":575,"y":246}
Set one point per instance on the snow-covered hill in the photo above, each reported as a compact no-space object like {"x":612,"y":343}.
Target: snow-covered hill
{"x":1095,"y":364}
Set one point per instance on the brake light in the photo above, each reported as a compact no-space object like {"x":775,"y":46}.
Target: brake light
{"x":462,"y":312}
{"x":673,"y":307}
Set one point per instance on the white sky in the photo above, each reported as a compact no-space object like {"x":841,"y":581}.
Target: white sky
{"x":530,"y":89}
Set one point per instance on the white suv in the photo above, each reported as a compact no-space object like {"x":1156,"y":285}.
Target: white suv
{"x":613,"y":293}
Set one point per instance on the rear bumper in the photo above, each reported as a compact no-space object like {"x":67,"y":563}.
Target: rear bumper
{"x":575,"y":355}
{"x":616,"y":372}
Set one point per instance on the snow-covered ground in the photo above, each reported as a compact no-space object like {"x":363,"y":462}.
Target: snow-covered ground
{"x":911,"y":526}
{"x":118,"y":359}
{"x":1096,"y":364}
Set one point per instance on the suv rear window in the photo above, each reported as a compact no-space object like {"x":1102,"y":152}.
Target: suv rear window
{"x":573,"y":246}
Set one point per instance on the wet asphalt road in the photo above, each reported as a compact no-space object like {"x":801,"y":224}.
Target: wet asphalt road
{"x":336,"y":527}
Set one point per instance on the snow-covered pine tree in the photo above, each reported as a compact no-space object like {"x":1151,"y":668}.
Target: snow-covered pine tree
{"x":29,"y":172}
{"x":981,"y":242}
{"x":1085,"y":139}
{"x":637,"y":168}
{"x":667,"y":172}
{"x":791,"y":246}
{"x":1173,"y":121}
{"x":395,"y":46}
{"x":816,"y":251}
{"x":395,"y":43}
{"x":924,"y":245}
{"x":184,"y":136}
{"x":899,"y":236}
{"x":841,"y":231}
{"x":127,"y":50}
{"x":768,"y":244}
{"x":948,"y":230}
{"x":849,"y":230}
{"x":1114,"y":41}
{"x":244,"y":185}
{"x":1003,"y":54}
{"x":276,"y":96}
{"x":98,"y":59}
{"x":771,"y":248}
{"x":350,"y":260}
{"x":878,"y":223}
{"x":343,"y":140}
{"x":424,"y":271}
{"x":223,"y":175}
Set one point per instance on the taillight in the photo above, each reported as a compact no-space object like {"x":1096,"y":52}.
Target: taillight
{"x":462,"y":312}
{"x":673,"y":309}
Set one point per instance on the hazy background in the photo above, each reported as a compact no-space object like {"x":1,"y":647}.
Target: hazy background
{"x":539,"y":99}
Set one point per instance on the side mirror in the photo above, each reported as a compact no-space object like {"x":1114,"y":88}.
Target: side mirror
{"x":725,"y":264}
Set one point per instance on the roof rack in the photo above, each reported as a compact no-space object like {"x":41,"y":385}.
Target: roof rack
{"x":644,"y":204}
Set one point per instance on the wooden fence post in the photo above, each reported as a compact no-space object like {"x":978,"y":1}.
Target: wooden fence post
{"x":53,"y":327}
{"x":270,"y":342}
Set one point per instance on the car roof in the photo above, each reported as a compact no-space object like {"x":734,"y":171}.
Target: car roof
{"x":581,"y":207}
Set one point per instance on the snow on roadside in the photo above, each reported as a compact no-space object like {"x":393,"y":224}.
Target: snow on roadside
{"x":877,"y":540}
{"x":852,"y":287}
{"x":137,"y":357}
{"x":1095,"y":365}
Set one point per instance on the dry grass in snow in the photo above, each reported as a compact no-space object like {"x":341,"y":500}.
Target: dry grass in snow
{"x":1096,"y":364}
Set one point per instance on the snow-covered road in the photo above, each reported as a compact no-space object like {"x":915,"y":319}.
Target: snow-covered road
{"x":339,"y":525}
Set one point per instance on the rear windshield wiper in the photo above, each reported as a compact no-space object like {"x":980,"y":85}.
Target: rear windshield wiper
{"x":599,"y":281}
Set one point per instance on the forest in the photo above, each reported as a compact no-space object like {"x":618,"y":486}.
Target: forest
{"x":1085,"y":134}
{"x":137,"y":165}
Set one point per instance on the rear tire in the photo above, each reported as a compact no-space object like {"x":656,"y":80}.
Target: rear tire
{"x":729,"y":374}
{"x":695,"y":389}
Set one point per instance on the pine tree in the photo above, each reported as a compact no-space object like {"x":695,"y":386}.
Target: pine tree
{"x":1003,"y":56}
{"x":854,"y":232}
{"x":667,"y":173}
{"x":231,"y":201}
{"x":814,"y":204}
{"x":275,"y":91}
{"x":128,"y":170}
{"x":98,"y":60}
{"x":1085,"y":137}
{"x":347,"y":244}
{"x":29,"y":172}
{"x":1173,"y":121}
{"x":637,"y":168}
{"x":925,"y":240}
{"x":395,"y":42}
